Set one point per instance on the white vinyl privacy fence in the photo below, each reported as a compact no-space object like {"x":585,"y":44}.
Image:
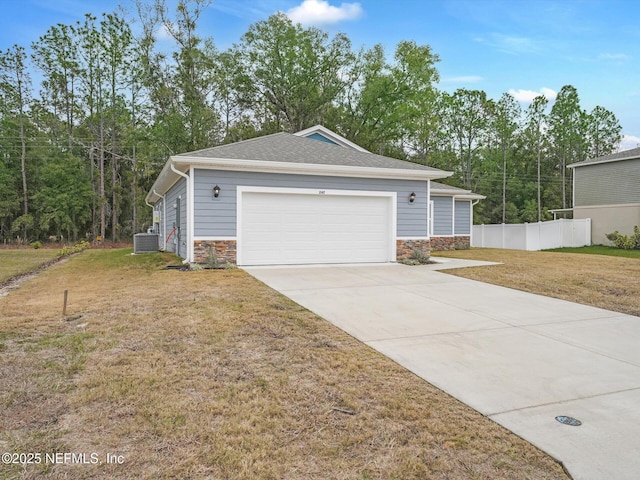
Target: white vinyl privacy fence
{"x":534,"y":236}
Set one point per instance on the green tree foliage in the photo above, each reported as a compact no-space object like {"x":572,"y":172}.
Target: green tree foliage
{"x":16,"y":94}
{"x":63,"y":198}
{"x":294,"y":72}
{"x":79,"y":152}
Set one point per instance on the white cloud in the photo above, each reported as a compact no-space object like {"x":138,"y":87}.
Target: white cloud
{"x":316,"y":12}
{"x":162,"y":33}
{"x":629,"y":142}
{"x":527,"y":96}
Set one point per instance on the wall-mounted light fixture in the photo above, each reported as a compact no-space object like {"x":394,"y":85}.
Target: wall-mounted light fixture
{"x":412,"y":197}
{"x":216,"y":191}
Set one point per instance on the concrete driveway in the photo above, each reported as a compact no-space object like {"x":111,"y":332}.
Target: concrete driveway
{"x":519,"y":358}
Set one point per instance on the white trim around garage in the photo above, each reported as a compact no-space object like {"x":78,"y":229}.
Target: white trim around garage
{"x":214,"y":239}
{"x":391,"y":196}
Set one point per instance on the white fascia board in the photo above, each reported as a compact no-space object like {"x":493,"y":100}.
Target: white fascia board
{"x":465,"y":195}
{"x":165,"y":180}
{"x":470,"y":196}
{"x":310,"y":169}
{"x":598,"y":162}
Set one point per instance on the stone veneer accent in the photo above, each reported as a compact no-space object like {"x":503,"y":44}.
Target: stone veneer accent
{"x":224,"y":250}
{"x":405,"y":248}
{"x":450,"y":243}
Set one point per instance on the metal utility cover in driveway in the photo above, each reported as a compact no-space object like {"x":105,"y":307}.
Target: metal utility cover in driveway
{"x":519,"y":358}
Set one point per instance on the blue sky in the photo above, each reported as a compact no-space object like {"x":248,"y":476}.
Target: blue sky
{"x":525,"y":47}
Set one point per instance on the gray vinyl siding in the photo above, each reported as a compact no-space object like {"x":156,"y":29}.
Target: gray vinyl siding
{"x":463,"y":217}
{"x":442,"y":215}
{"x":177,"y":190}
{"x":607,"y":183}
{"x":216,"y":217}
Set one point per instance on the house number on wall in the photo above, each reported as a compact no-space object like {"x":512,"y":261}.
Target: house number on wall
{"x":321,"y":192}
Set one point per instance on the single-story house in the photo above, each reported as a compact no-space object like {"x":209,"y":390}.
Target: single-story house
{"x":308,"y":197}
{"x":607,"y":190}
{"x":451,"y":211}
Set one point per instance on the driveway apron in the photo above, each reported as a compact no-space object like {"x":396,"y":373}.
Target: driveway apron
{"x":520,"y":359}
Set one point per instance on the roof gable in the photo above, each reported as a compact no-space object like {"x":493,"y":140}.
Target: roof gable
{"x":318,"y":132}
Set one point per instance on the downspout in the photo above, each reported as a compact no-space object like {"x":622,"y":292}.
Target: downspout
{"x":429,"y":219}
{"x":164,"y":218}
{"x":186,"y":177}
{"x":473,"y":204}
{"x":151,"y":207}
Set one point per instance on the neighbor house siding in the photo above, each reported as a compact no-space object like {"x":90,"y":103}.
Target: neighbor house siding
{"x":178,"y":190}
{"x":462,"y":217}
{"x":442,"y":215}
{"x":607,"y":183}
{"x":216,"y":217}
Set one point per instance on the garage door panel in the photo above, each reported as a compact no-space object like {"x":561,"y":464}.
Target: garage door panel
{"x":294,"y":228}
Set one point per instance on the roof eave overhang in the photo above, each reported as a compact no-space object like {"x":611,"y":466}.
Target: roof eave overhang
{"x":167,"y":177}
{"x":598,"y":162}
{"x":163,"y":182}
{"x":461,"y":194}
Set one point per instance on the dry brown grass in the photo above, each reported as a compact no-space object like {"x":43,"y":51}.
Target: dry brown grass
{"x":603,"y":281}
{"x":213,"y":375}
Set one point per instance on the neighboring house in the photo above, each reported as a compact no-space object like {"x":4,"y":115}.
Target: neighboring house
{"x":309,"y":197}
{"x":607,"y":190}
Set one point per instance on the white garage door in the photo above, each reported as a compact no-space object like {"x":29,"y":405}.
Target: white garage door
{"x":295,"y":228}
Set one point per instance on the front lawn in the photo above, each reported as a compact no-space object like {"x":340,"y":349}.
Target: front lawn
{"x":600,"y":250}
{"x":16,"y":261}
{"x":211,"y":374}
{"x":608,"y":282}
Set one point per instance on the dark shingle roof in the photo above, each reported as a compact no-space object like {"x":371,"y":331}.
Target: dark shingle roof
{"x":285,"y":147}
{"x":613,"y":157}
{"x":442,"y":186}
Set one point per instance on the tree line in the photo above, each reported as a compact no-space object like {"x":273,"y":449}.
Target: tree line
{"x":80,"y":150}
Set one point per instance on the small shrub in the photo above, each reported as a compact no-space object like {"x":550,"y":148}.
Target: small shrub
{"x":626,"y":242}
{"x":35,"y":245}
{"x":417,"y":258}
{"x":78,"y":247}
{"x":212,"y":262}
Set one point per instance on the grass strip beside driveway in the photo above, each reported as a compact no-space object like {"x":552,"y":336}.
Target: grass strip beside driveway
{"x":603,"y":281}
{"x":211,"y":374}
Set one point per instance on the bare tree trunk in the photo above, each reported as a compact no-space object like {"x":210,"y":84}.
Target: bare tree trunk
{"x":539,"y":186}
{"x":564,"y":182}
{"x":134,"y":220}
{"x":23,"y":167}
{"x":103,"y":199}
{"x":114,"y":199}
{"x":504,"y":185}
